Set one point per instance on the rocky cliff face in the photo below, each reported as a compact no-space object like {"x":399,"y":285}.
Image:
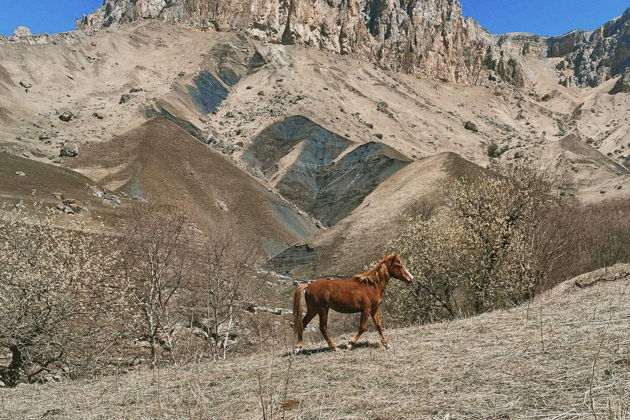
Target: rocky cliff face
{"x":429,"y":38}
{"x":601,"y":55}
{"x":590,"y":57}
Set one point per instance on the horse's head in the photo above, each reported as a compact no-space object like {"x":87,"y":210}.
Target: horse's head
{"x":397,"y":269}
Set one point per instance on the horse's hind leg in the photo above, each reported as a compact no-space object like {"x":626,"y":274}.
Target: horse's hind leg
{"x":323,"y":327}
{"x":376,"y":317}
{"x":310,"y":314}
{"x":365,"y":316}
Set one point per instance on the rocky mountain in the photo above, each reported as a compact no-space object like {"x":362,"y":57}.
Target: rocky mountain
{"x":429,"y":38}
{"x":589,"y":58}
{"x":266,"y":118}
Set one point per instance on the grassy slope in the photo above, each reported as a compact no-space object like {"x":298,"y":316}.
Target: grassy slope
{"x":498,"y":365}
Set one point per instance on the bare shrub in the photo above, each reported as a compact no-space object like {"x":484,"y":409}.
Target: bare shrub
{"x":600,"y":238}
{"x":157,"y":261}
{"x":223,"y":286}
{"x":492,"y":244}
{"x":61,"y":300}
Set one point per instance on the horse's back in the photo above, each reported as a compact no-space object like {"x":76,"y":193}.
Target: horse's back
{"x":342,"y":295}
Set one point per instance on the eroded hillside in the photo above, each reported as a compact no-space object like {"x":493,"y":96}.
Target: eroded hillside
{"x":320,"y":134}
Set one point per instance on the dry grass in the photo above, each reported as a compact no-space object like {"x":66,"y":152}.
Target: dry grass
{"x":565,"y":355}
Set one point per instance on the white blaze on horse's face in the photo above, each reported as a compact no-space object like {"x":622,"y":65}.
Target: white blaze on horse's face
{"x":407,"y":274}
{"x":402,"y":272}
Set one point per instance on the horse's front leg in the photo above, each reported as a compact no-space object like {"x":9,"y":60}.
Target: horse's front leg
{"x":365,"y":316}
{"x":323,"y":327}
{"x":376,"y":317}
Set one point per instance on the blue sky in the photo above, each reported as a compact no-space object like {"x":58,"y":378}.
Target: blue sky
{"x":43,"y":16}
{"x":544,"y":17}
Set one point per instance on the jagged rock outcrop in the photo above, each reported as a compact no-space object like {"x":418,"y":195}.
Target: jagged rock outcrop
{"x":22,"y":31}
{"x":603,"y":55}
{"x":623,"y":84}
{"x":429,"y":38}
{"x":525,"y":44}
{"x":590,"y":57}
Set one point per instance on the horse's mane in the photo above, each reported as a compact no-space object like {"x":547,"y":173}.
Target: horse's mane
{"x":371,"y":276}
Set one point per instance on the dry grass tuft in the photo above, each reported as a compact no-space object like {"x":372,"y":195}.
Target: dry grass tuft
{"x":565,"y":355}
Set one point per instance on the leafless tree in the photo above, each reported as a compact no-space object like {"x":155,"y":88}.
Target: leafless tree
{"x":225,"y":283}
{"x":157,"y":261}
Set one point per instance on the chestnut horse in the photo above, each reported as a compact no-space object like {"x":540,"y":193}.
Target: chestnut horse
{"x":360,"y":293}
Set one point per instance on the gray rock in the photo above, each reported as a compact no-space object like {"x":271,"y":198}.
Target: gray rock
{"x":110,"y":200}
{"x":222,"y":205}
{"x":22,"y":31}
{"x":64,"y":209}
{"x":66,"y":116}
{"x":471,"y":126}
{"x":623,"y":84}
{"x":20,"y":173}
{"x":26,"y":85}
{"x":96,"y":191}
{"x":126,"y":97}
{"x":70,"y":149}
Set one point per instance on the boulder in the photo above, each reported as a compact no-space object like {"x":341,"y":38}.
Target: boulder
{"x":623,"y":84}
{"x":26,"y":85}
{"x":126,"y":97}
{"x":111,"y":200}
{"x":70,"y":149}
{"x":222,"y":205}
{"x":70,"y":206}
{"x":471,"y":126}
{"x":66,"y":116}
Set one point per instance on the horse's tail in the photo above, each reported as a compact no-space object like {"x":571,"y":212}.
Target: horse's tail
{"x":298,"y":326}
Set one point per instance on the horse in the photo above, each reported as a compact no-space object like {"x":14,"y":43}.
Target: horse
{"x":360,"y":293}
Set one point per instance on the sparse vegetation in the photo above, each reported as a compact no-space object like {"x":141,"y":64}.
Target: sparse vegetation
{"x":62,"y":300}
{"x":490,"y":366}
{"x":76,"y":304}
{"x":499,"y":240}
{"x":484,"y":249}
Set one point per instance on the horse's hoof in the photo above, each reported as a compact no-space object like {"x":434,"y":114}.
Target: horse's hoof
{"x":349,"y":346}
{"x":386,"y":345}
{"x":334,"y":348}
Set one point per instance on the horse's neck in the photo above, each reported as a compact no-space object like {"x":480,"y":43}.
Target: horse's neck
{"x":383,"y":277}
